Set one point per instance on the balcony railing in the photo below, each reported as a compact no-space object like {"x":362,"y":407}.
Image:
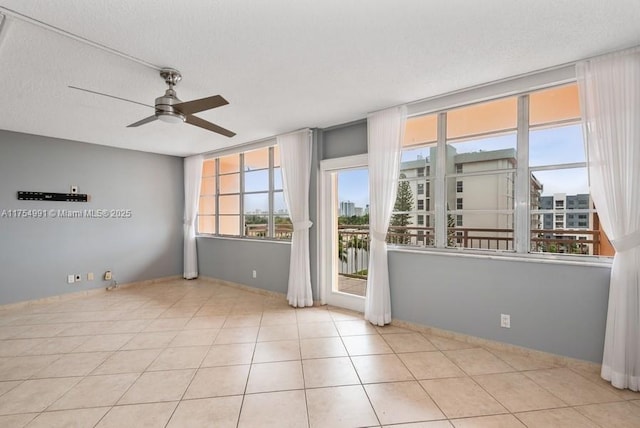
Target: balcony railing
{"x":282,"y":230}
{"x":353,"y":242}
{"x":576,"y":241}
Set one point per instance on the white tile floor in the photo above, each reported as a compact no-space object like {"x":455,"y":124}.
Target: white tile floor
{"x":200,"y":354}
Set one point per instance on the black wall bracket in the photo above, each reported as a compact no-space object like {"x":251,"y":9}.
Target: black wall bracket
{"x":51,"y":196}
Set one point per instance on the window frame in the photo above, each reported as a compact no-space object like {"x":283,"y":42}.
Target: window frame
{"x":242,"y":193}
{"x":523,"y":208}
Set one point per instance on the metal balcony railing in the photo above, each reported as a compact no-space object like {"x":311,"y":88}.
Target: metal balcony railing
{"x":281,"y":231}
{"x":353,"y":242}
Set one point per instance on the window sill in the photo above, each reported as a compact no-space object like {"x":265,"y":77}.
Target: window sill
{"x":244,"y":238}
{"x":591,"y":261}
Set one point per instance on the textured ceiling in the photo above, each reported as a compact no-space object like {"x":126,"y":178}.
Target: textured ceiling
{"x":282,"y":64}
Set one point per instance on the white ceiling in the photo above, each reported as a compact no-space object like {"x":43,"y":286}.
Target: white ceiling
{"x":282,"y":64}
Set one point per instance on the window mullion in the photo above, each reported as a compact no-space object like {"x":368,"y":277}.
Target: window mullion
{"x":217,"y":197}
{"x":522,"y":220}
{"x":271,"y":219}
{"x":241,"y":197}
{"x":440,"y":183}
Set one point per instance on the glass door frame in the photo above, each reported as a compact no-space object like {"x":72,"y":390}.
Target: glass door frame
{"x":328,"y":230}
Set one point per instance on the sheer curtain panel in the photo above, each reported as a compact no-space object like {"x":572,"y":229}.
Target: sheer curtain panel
{"x":192,"y":179}
{"x":385,"y":135}
{"x":295,"y":160}
{"x":610,"y":102}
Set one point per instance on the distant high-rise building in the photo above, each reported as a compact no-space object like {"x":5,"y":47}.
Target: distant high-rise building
{"x":347,"y":209}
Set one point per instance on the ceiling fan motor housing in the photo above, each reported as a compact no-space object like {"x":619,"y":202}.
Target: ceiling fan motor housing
{"x":165,"y":110}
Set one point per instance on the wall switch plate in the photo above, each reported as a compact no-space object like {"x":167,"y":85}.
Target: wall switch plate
{"x":505,"y":321}
{"x":90,"y":276}
{"x":108,"y":275}
{"x":71,"y":279}
{"x":254,"y":274}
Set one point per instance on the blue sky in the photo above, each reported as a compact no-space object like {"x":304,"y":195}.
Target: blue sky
{"x":353,"y":185}
{"x":546,"y":147}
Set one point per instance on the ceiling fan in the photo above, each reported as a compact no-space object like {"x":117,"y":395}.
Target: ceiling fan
{"x":170,"y":109}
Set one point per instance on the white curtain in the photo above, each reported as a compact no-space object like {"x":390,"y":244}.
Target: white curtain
{"x":385,"y":135}
{"x":192,"y":179}
{"x":295,"y":160}
{"x":610,"y":102}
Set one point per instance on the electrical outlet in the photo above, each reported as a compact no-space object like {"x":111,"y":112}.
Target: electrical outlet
{"x":74,"y":189}
{"x":78,"y":278}
{"x":71,"y":279}
{"x":505,"y":321}
{"x":254,"y":273}
{"x":90,"y":276}
{"x":108,"y":275}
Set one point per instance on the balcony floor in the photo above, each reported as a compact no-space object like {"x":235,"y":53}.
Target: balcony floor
{"x":355,"y":286}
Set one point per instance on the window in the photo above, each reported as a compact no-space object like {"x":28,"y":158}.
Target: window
{"x":548,"y":192}
{"x":241,"y":195}
{"x":229,"y":195}
{"x":411,"y":210}
{"x":481,"y":140}
{"x":557,"y":161}
{"x":208,"y":199}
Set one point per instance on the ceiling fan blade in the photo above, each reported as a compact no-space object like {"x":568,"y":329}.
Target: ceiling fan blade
{"x":196,"y":121}
{"x":143,"y":121}
{"x":110,"y":96}
{"x":195,"y":106}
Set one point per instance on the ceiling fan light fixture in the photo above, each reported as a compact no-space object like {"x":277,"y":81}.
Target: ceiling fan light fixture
{"x":170,"y":117}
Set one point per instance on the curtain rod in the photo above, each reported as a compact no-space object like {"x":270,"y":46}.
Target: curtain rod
{"x":24,"y":18}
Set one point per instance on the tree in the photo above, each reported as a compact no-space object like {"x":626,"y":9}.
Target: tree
{"x":451,"y":233}
{"x":354,"y":220}
{"x":342,"y":249}
{"x":404,"y":204}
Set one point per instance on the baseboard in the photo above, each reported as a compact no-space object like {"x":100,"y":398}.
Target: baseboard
{"x":251,"y":289}
{"x":84,"y":293}
{"x":553,"y":359}
{"x":244,"y":287}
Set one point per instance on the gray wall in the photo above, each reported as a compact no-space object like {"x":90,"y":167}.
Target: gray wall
{"x":36,"y":255}
{"x":557,"y":308}
{"x":345,"y":140}
{"x":235,"y":259}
